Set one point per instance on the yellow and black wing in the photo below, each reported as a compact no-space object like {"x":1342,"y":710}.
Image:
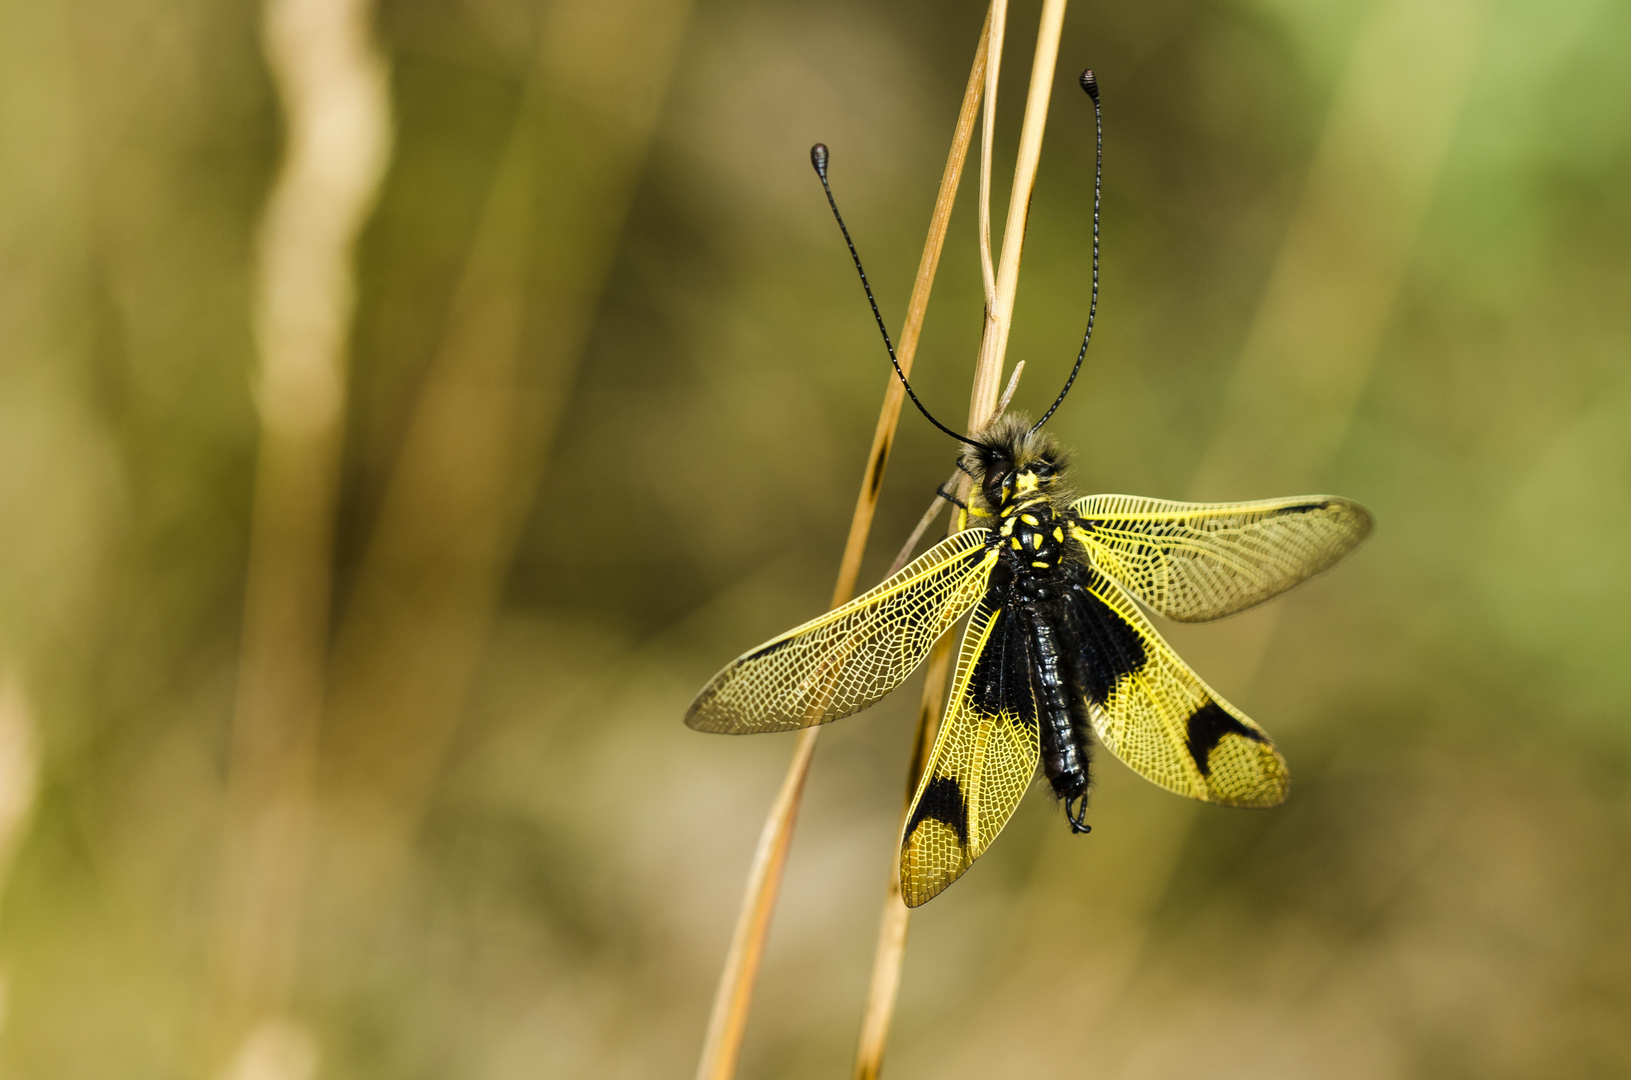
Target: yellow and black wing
{"x":982,"y":760}
{"x":1156,"y":715}
{"x":847,"y":659}
{"x":1199,"y":561}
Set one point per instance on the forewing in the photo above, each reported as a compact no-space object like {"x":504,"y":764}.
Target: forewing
{"x":982,"y":760}
{"x":1157,"y":716}
{"x":847,"y":659}
{"x":1199,"y":561}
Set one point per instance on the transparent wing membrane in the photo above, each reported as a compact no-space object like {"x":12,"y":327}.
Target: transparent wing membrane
{"x":847,"y":659}
{"x":1189,"y":561}
{"x":1199,"y":561}
{"x":982,"y":760}
{"x":1156,"y":715}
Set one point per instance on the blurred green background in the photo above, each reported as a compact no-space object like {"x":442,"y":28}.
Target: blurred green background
{"x":1372,"y":247}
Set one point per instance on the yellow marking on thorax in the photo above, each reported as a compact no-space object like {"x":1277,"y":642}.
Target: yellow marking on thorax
{"x":1030,"y":519}
{"x":1017,"y":505}
{"x":1014,"y":541}
{"x":1043,"y":565}
{"x":1058,"y":535}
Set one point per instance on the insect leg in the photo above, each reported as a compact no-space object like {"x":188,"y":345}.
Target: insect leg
{"x":949,"y":497}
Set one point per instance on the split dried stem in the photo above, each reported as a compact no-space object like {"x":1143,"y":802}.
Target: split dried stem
{"x":728,"y":1020}
{"x":997,"y":19}
{"x":999,"y":315}
{"x":983,"y":408}
{"x":935,"y":504}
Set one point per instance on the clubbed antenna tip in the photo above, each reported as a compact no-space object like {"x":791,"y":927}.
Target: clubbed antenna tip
{"x":1090,"y":83}
{"x":818,"y":158}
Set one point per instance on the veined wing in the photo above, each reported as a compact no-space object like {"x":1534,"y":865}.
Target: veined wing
{"x":1156,"y":715}
{"x":1199,"y":561}
{"x":982,"y":760}
{"x":847,"y":659}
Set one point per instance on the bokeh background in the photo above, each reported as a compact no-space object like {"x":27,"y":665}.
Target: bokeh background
{"x":609,"y":384}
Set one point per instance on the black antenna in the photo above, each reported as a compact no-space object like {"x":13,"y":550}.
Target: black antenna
{"x":1091,"y":85}
{"x":818,"y":158}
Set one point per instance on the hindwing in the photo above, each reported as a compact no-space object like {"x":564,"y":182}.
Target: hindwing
{"x":982,"y":759}
{"x":847,"y":659}
{"x":1199,"y":561}
{"x":1155,"y":714}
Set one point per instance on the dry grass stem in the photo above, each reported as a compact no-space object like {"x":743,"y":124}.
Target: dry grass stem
{"x":997,"y":18}
{"x":728,"y":1019}
{"x":895,"y":394}
{"x":935,"y":504}
{"x":1000,"y":314}
{"x":983,"y":407}
{"x":412,"y":631}
{"x":1008,"y":391}
{"x":19,"y":763}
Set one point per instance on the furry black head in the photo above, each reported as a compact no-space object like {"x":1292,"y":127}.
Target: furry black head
{"x":1012,"y":456}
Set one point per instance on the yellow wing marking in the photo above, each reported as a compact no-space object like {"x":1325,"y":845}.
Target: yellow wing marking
{"x":1159,"y":718}
{"x":982,"y":760}
{"x":1199,"y":561}
{"x":847,"y":659}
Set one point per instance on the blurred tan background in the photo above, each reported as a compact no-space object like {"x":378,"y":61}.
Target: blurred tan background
{"x":340,"y":730}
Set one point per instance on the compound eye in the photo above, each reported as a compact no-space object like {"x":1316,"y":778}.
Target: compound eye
{"x":1043,"y":469}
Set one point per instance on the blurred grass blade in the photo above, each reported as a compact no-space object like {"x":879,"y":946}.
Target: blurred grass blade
{"x":1330,"y":295}
{"x":332,"y":85}
{"x":412,"y":630}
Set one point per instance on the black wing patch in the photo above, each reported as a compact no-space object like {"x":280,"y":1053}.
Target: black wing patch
{"x":1002,"y":676}
{"x":942,"y":801}
{"x":1207,"y":726}
{"x":1155,"y":714}
{"x":983,"y":758}
{"x":1110,"y":649}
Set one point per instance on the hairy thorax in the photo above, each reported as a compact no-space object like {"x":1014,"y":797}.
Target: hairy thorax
{"x":1020,"y":494}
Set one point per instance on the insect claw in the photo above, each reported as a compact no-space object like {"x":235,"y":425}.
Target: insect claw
{"x":1078,"y":817}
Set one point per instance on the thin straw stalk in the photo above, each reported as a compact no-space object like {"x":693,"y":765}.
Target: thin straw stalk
{"x":988,"y":130}
{"x":728,"y":1020}
{"x":896,"y":918}
{"x":935,"y":504}
{"x":999,"y":315}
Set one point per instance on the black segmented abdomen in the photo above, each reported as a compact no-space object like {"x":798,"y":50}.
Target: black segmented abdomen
{"x":1064,"y":757}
